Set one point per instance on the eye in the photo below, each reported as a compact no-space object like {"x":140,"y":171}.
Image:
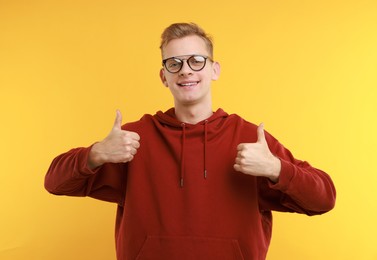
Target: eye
{"x":197,"y":59}
{"x":173,"y":63}
{"x":197,"y":62}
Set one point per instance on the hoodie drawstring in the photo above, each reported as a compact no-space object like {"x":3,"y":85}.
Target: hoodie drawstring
{"x":169,"y":120}
{"x":183,"y":153}
{"x":183,"y":157}
{"x":205,"y":148}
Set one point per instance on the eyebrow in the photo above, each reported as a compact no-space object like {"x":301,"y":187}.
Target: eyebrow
{"x":187,"y":55}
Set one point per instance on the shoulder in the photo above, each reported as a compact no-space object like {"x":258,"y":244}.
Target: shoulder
{"x":240,"y":122}
{"x":248,"y":130}
{"x":238,"y":128}
{"x":145,"y":121}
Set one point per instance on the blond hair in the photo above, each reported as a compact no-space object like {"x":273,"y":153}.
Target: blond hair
{"x":180,"y":30}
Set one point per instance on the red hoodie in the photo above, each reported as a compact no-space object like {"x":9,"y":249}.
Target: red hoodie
{"x":180,"y":198}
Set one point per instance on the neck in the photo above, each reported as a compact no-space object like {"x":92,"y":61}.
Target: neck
{"x":193,"y":114}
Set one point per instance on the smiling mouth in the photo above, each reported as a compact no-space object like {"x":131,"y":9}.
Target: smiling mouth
{"x":188,"y":84}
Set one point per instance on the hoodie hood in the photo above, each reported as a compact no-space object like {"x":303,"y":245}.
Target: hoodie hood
{"x":168,"y":119}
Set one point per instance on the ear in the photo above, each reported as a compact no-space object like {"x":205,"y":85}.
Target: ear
{"x":215,"y":70}
{"x":163,"y":78}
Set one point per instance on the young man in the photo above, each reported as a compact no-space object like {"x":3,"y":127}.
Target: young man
{"x":191,"y":183}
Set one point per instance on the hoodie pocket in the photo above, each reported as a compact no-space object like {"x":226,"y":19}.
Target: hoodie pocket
{"x":184,"y":248}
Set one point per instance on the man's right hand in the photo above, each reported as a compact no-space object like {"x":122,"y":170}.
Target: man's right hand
{"x":119,"y":146}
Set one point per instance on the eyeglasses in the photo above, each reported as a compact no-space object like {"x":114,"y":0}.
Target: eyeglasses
{"x":195,"y":62}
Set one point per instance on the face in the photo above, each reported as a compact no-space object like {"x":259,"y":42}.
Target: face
{"x":187,"y":86}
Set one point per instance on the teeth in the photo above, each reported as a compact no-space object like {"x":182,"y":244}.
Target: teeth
{"x":188,"y":84}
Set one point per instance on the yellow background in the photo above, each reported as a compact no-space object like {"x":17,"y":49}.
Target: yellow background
{"x":307,"y":69}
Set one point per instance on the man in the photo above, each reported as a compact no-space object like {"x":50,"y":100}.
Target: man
{"x":191,"y":183}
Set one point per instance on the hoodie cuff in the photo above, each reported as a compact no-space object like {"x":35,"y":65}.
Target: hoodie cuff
{"x":285,"y":178}
{"x":82,"y":160}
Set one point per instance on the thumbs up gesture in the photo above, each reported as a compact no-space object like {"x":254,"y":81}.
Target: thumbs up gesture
{"x":118,"y":147}
{"x":256,"y":159}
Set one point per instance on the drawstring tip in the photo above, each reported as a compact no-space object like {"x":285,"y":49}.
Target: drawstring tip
{"x":205,"y":174}
{"x":181,"y":182}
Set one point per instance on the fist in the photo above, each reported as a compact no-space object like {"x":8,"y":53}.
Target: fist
{"x":119,"y":146}
{"x":256,"y":159}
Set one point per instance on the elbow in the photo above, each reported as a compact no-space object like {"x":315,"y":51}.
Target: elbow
{"x":328,"y":198}
{"x":52,"y":185}
{"x":330,"y":203}
{"x":331,"y":198}
{"x":48,"y":185}
{"x":325,"y":205}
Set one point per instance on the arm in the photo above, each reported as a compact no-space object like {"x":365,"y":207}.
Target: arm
{"x":95,"y":171}
{"x":291,"y":184}
{"x":301,"y":188}
{"x":69,"y":174}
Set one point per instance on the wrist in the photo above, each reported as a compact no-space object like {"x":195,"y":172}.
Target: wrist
{"x":95,"y":157}
{"x":275,"y":173}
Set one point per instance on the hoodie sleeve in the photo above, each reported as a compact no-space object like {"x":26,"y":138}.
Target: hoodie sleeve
{"x":301,"y":188}
{"x":69,"y":175}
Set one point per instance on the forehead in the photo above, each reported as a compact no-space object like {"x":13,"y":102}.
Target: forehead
{"x":185,"y":46}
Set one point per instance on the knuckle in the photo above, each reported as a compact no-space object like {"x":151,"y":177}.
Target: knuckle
{"x":129,"y":158}
{"x":127,"y":141}
{"x":242,"y":162}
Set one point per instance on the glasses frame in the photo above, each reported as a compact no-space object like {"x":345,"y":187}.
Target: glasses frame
{"x":183,"y":60}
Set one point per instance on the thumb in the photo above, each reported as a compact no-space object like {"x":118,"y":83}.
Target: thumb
{"x":260,"y":133}
{"x":118,"y":120}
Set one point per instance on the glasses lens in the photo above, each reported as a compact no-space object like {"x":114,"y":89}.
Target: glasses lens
{"x":173,"y":65}
{"x":197,"y":62}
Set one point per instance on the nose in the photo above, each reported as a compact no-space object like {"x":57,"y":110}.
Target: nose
{"x":185,"y":70}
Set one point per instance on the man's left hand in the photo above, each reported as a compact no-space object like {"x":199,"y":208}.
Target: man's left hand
{"x":256,"y":159}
